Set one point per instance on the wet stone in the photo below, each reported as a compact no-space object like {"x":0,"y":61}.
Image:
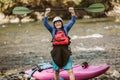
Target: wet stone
{"x":22,"y":46}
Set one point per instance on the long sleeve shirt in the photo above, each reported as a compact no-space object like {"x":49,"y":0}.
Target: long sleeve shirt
{"x":66,"y":27}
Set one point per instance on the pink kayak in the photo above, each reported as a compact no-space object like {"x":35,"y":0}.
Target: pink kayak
{"x":79,"y":72}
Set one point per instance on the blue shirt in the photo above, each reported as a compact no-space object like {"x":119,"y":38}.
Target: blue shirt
{"x":66,"y":27}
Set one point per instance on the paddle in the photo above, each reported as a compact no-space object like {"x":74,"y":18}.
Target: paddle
{"x":97,"y":7}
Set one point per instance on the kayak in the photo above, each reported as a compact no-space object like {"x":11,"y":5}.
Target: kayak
{"x":80,"y":72}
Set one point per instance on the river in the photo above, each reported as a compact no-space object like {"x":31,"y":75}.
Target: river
{"x":24,"y":45}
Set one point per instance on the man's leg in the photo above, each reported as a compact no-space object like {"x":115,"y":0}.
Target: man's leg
{"x":70,"y":72}
{"x":56,"y":75}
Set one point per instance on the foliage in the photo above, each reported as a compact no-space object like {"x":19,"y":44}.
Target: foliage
{"x":7,"y":5}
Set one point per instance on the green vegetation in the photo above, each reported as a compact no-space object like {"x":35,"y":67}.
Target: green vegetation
{"x":6,"y":6}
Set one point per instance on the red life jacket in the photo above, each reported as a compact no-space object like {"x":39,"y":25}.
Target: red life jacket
{"x":60,"y":38}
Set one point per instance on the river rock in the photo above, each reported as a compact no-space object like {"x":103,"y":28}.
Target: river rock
{"x":3,"y":19}
{"x":39,"y":16}
{"x":86,"y":17}
{"x":26,"y":19}
{"x":115,"y":74}
{"x":2,"y":16}
{"x":115,"y":12}
{"x":14,"y":19}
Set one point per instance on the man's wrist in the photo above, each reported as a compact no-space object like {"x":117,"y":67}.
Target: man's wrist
{"x":45,"y":15}
{"x":73,"y":14}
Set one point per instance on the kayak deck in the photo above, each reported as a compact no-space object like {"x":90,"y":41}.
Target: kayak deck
{"x":79,"y":72}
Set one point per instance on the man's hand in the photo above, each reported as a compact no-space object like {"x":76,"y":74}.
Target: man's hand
{"x":71,"y":10}
{"x":47,"y":11}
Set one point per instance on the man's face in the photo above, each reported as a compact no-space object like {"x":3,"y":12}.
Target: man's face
{"x":58,"y":24}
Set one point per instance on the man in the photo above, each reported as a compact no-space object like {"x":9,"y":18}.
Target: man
{"x":61,"y":53}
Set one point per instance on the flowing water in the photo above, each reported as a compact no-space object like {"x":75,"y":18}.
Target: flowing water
{"x":24,"y":45}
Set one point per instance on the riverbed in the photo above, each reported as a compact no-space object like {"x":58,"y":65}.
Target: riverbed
{"x":23,"y":45}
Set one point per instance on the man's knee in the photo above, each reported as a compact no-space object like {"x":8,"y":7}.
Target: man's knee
{"x":70,"y":71}
{"x":56,"y":72}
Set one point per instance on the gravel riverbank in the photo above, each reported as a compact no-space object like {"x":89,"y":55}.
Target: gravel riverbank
{"x":22,"y":46}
